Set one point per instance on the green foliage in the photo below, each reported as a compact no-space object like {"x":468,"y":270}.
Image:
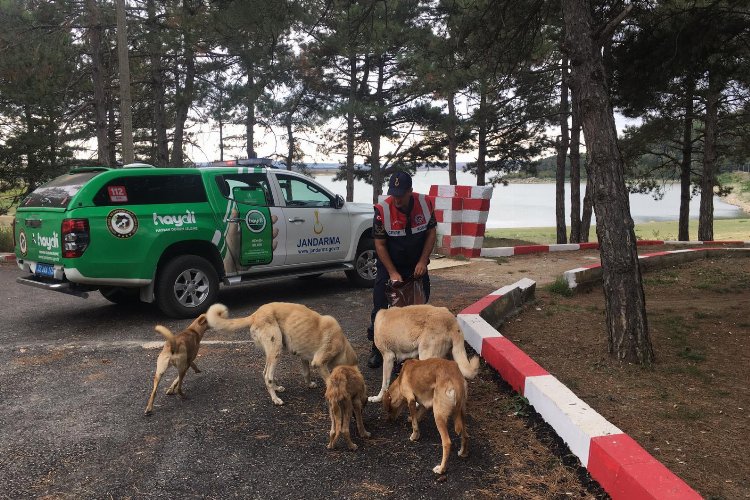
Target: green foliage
{"x":560,"y":287}
{"x":6,"y":239}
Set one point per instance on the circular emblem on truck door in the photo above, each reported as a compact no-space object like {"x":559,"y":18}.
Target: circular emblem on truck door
{"x":23,"y":244}
{"x":122,"y":223}
{"x":255,"y":221}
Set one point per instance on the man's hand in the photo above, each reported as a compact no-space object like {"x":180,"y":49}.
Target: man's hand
{"x":421,"y":269}
{"x":395,"y":276}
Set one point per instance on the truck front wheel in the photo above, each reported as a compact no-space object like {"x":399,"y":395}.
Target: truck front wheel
{"x":365,"y":269}
{"x":186,"y":286}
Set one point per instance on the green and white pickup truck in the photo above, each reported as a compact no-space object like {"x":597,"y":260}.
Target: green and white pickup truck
{"x":171,"y":235}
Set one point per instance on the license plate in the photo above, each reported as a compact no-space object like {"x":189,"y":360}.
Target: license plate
{"x":45,"y":270}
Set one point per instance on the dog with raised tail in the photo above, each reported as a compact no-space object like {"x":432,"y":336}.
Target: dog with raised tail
{"x":345,"y":393}
{"x":179,"y":351}
{"x":318,"y":340}
{"x":433,"y":383}
{"x":420,"y":331}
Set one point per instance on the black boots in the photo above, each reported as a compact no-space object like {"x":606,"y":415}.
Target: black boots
{"x":376,"y":359}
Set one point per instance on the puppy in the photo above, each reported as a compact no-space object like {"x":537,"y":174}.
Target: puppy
{"x":345,"y":390}
{"x":422,"y":331}
{"x":179,"y":351}
{"x":437,"y":384}
{"x":317,"y":339}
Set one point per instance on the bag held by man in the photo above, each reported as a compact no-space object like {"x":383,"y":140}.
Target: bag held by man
{"x":409,"y":292}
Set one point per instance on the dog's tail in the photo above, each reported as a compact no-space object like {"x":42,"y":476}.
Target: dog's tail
{"x":168,"y":336}
{"x":217,"y":316}
{"x":469,"y":368}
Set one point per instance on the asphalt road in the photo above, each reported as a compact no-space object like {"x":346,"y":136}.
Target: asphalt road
{"x":75,"y":376}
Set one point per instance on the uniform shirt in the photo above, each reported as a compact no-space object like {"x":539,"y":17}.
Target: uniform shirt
{"x":404,"y":250}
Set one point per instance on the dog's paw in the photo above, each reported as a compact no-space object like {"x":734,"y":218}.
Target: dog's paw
{"x":438,"y":469}
{"x":170,"y":392}
{"x":277,"y":401}
{"x":279,"y":388}
{"x":463,"y":453}
{"x":414,"y":436}
{"x":352,"y":447}
{"x":375,"y":399}
{"x":312,"y":384}
{"x":366,"y":435}
{"x":148,"y":413}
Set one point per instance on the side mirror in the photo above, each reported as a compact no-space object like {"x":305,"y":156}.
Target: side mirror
{"x":339,"y":202}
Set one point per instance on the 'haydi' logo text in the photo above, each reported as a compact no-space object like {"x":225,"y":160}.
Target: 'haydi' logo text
{"x":48,"y":242}
{"x":175,"y":220}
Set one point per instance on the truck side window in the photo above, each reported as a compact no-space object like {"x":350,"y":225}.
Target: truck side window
{"x":258,"y":182}
{"x":300,"y":193}
{"x":152,"y":190}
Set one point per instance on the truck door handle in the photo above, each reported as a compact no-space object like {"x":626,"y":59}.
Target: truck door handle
{"x":235,"y":219}
{"x":296,"y":219}
{"x":33,"y":223}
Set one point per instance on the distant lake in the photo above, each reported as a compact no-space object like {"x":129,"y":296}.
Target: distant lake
{"x":533,"y":205}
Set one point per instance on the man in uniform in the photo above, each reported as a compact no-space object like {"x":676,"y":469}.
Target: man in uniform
{"x":404,"y":233}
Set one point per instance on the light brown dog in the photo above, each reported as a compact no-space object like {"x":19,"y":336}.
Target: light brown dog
{"x":345,"y":391}
{"x":422,"y":331}
{"x":179,"y":351}
{"x":437,"y":384}
{"x":317,"y":339}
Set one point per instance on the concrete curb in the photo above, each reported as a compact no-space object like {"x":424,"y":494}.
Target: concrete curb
{"x":588,"y":275}
{"x":528,"y":249}
{"x":621,"y":466}
{"x":7,"y":257}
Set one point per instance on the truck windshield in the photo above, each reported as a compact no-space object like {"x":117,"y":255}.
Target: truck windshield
{"x":58,"y":192}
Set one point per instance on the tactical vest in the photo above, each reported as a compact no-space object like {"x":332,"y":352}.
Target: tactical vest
{"x":406,"y":236}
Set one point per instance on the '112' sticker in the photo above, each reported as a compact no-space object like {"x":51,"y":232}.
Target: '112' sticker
{"x":117,"y":194}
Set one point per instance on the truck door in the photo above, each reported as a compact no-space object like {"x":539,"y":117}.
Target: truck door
{"x":252,"y":235}
{"x":317,"y":232}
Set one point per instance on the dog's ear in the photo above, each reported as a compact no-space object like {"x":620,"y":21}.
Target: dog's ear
{"x":202,"y":320}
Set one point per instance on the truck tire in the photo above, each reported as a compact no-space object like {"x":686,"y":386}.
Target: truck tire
{"x":365,"y":270}
{"x":121,"y":295}
{"x":186,"y":286}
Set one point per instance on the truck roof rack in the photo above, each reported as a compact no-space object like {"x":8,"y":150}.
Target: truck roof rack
{"x":83,"y":168}
{"x":246,"y":162}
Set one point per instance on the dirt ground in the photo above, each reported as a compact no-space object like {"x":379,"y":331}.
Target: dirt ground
{"x":690,"y":410}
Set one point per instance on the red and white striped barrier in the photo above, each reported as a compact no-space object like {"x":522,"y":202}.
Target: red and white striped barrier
{"x":461,"y":213}
{"x":563,"y":247}
{"x":621,"y":466}
{"x":7,"y":257}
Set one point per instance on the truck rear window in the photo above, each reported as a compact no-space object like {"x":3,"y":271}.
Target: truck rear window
{"x":58,"y":192}
{"x":152,"y":190}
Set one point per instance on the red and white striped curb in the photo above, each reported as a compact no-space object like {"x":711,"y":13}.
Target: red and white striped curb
{"x":621,"y":466}
{"x":589,"y":274}
{"x":7,"y":257}
{"x":461,"y":213}
{"x":563,"y":247}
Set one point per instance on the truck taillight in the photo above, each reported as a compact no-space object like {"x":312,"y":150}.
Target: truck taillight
{"x":75,"y":237}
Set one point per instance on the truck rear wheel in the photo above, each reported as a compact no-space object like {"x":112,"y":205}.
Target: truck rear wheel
{"x":186,"y":286}
{"x":365,"y":269}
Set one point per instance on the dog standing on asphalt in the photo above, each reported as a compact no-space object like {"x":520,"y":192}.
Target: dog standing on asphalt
{"x":433,"y":383}
{"x":345,"y":391}
{"x":422,"y":331}
{"x":276,"y":326}
{"x":179,"y":351}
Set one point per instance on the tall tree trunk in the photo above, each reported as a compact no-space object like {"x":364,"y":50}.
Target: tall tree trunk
{"x":625,"y":303}
{"x":221,"y":125}
{"x":350,"y":128}
{"x":289,"y":143}
{"x":452,"y":144}
{"x":562,"y":153}
{"x":586,"y":213}
{"x":377,"y":132}
{"x":687,"y":160}
{"x":706,"y":216}
{"x":575,"y":173}
{"x":482,"y":137}
{"x":97,"y":80}
{"x":184,"y":101}
{"x":112,"y":130}
{"x":157,"y":88}
{"x":126,"y":116}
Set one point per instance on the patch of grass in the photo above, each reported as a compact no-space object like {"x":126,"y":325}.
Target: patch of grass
{"x":688,"y":413}
{"x":459,"y":257}
{"x":724,"y":229}
{"x":705,"y":315}
{"x":560,"y":286}
{"x":6,"y":239}
{"x":500,"y":260}
{"x":519,"y":405}
{"x":692,"y":355}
